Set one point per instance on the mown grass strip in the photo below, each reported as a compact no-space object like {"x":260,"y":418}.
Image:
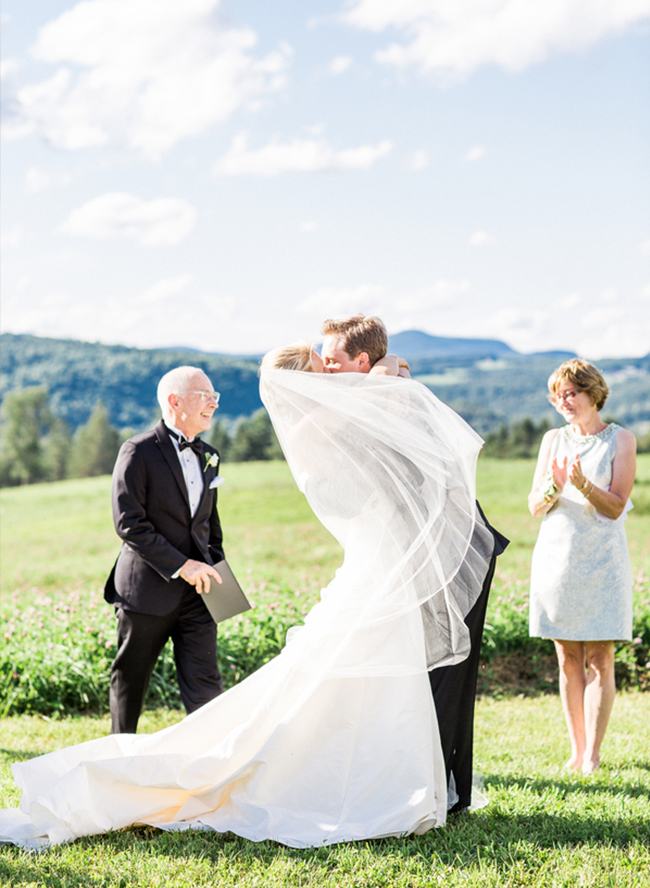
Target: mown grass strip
{"x":544,"y":826}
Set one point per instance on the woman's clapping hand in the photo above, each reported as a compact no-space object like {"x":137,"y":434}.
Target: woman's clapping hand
{"x":559,"y":473}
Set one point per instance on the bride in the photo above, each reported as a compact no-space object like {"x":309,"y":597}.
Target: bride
{"x":336,"y":739}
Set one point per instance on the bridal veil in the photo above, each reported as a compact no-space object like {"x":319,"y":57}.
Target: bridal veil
{"x":390,"y":471}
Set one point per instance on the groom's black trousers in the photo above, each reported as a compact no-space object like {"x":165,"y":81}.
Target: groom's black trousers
{"x":454,"y":694}
{"x":140,"y":640}
{"x":454,"y":689}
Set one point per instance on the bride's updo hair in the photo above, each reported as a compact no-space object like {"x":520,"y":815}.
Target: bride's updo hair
{"x":296,"y":356}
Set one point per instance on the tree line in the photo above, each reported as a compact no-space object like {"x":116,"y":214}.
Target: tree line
{"x":521,"y":440}
{"x":37,"y":445}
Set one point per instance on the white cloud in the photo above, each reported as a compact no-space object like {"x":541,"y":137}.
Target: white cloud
{"x":37,"y":179}
{"x":455,"y":37}
{"x":600,"y":317}
{"x":159,"y":222}
{"x":308,"y":226}
{"x":442,"y":294}
{"x":526,"y":331}
{"x":128,"y":318}
{"x":13,"y":127}
{"x":605,"y":333}
{"x":13,"y":237}
{"x":339,"y":301}
{"x":397,"y":309}
{"x":645,"y":293}
{"x":480,"y":238}
{"x":474,"y":154}
{"x":644,"y":247}
{"x":608,"y":329}
{"x":571,"y":300}
{"x":8,"y":69}
{"x":300,"y":155}
{"x":419,"y":161}
{"x":340,"y":64}
{"x":146,"y":73}
{"x":167,"y":288}
{"x":614,"y":339}
{"x":510,"y":319}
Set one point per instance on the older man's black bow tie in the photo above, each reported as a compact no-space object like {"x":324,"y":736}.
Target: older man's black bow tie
{"x":196,"y":445}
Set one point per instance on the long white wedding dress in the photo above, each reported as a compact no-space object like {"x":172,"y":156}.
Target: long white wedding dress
{"x":336,"y":739}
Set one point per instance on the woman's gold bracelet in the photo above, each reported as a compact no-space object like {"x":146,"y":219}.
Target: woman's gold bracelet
{"x":590,"y":491}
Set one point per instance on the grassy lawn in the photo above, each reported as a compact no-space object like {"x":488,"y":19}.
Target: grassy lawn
{"x":59,"y":537}
{"x":543,"y":826}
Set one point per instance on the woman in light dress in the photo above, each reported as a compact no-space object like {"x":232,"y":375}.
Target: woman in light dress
{"x":581,"y":581}
{"x":336,"y":739}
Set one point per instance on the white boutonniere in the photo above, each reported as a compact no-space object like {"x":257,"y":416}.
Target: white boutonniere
{"x":211,"y":460}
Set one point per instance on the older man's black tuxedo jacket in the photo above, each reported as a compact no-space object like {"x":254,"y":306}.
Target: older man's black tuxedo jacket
{"x":152,"y":516}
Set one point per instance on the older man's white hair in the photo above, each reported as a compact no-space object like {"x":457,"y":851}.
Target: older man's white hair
{"x":176,"y":382}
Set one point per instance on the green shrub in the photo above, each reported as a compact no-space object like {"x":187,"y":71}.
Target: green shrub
{"x":56,"y":656}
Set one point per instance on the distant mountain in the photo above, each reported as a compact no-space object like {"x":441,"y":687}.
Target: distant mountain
{"x":413,"y":344}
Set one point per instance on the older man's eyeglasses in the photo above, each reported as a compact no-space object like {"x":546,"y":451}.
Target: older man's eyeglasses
{"x":207,"y":396}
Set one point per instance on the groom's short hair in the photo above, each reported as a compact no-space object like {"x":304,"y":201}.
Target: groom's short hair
{"x":359,"y":334}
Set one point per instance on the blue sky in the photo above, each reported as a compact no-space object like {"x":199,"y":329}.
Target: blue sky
{"x":225,"y":175}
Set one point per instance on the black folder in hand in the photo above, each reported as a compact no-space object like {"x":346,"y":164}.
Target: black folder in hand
{"x":225,"y":599}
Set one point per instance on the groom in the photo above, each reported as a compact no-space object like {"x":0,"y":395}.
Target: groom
{"x":354,"y":345}
{"x":165,"y":512}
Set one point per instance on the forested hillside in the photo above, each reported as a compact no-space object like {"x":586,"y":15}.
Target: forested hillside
{"x":79,"y":374}
{"x":489,"y":391}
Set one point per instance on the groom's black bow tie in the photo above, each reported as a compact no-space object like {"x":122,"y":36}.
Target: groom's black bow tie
{"x":196,"y":445}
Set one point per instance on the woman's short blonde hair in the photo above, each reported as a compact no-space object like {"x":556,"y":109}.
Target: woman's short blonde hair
{"x":296,"y":356}
{"x":584,"y":376}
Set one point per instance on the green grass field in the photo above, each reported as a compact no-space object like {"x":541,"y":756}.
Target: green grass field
{"x":59,"y":537}
{"x":543,"y":826}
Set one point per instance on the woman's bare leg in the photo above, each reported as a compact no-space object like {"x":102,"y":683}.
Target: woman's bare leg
{"x":573,"y":681}
{"x":598,"y":700}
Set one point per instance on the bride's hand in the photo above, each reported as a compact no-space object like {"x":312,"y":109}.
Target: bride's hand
{"x":386,"y":366}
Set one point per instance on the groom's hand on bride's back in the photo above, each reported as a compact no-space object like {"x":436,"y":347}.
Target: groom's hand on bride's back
{"x":198,"y":573}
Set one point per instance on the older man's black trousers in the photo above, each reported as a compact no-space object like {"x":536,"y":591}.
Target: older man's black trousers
{"x":140,"y":640}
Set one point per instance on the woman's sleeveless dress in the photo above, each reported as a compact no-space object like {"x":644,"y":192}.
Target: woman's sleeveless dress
{"x":581,"y":580}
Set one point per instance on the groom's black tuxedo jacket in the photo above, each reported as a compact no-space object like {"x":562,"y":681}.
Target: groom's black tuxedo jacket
{"x":152,"y":516}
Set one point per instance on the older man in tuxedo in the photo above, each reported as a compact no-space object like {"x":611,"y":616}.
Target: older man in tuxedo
{"x":165,"y":512}
{"x":354,"y":345}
